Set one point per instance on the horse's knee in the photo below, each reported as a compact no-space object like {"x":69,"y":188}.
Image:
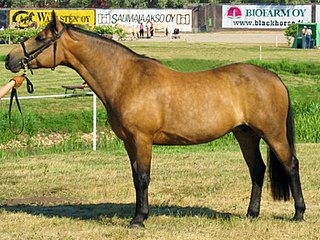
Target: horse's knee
{"x":143,"y":180}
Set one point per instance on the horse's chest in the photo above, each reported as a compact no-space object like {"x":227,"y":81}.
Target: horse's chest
{"x":116,"y":125}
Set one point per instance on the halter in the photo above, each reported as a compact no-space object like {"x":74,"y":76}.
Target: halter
{"x":29,"y":56}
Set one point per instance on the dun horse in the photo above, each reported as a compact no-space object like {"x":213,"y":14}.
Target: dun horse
{"x":148,"y":103}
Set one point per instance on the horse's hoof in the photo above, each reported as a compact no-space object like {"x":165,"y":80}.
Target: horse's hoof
{"x":298,"y":216}
{"x":134,"y":224}
{"x":298,"y":219}
{"x":252,"y":215}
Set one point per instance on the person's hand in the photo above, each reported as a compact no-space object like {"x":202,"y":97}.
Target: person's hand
{"x":18,"y":81}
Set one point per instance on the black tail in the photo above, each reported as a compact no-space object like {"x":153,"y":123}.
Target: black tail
{"x":280,"y":186}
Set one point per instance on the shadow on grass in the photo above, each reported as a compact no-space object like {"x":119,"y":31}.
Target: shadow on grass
{"x":110,"y":210}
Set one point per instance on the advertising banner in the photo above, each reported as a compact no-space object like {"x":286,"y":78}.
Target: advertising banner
{"x":264,"y":16}
{"x":317,"y":13}
{"x":26,"y":17}
{"x":171,"y":18}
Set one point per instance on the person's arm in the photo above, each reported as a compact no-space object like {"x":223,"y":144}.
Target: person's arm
{"x":6,"y":88}
{"x":14,"y":82}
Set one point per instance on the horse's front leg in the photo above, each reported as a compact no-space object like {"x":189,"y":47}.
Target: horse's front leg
{"x":140,"y":152}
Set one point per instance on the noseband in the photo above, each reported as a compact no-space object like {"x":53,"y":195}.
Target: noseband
{"x":29,"y":56}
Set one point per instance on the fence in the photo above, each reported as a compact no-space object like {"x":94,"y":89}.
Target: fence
{"x":94,"y":109}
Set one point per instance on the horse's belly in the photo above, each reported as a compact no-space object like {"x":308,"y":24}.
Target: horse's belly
{"x":187,"y":137}
{"x":196,"y":125}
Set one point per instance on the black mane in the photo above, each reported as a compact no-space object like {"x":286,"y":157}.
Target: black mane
{"x":98,"y":36}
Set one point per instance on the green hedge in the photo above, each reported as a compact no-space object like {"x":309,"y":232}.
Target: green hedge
{"x":18,"y":35}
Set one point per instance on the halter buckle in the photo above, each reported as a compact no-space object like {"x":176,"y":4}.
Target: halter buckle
{"x":26,"y":65}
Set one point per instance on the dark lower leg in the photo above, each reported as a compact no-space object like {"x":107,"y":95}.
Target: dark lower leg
{"x":296,"y":190}
{"x":249,"y":144}
{"x":257,"y":176}
{"x":141,"y":182}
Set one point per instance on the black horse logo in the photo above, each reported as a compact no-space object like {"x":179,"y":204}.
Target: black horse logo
{"x":24,"y":18}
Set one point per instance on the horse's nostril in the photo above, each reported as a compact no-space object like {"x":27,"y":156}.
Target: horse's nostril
{"x":7,"y":60}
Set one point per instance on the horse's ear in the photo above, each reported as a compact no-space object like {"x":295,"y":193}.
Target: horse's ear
{"x":55,"y":21}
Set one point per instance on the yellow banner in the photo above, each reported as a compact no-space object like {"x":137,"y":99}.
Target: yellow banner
{"x":28,"y":17}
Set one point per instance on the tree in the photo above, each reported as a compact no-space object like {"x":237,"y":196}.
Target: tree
{"x":157,"y":3}
{"x":132,"y":3}
{"x":290,"y":32}
{"x":98,"y":4}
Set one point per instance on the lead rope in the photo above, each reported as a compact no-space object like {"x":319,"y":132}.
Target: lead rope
{"x":14,"y":94}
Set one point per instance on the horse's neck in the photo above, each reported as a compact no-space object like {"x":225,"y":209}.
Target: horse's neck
{"x":101,"y":64}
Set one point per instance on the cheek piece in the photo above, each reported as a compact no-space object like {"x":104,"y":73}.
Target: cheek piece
{"x":29,"y":56}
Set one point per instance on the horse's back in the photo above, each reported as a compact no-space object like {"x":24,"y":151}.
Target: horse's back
{"x":238,"y":82}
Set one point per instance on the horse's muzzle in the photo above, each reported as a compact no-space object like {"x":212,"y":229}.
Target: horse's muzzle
{"x":12,"y":65}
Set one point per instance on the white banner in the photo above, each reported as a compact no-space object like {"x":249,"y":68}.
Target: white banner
{"x":317,"y":13}
{"x":264,"y":16}
{"x":171,"y":18}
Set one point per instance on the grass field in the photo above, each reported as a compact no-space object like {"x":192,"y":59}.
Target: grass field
{"x":194,"y":194}
{"x":54,"y":187}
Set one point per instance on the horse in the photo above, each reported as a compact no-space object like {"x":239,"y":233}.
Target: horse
{"x":150,"y":104}
{"x":132,"y":31}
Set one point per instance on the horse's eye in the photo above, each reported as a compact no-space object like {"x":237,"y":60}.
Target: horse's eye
{"x":40,"y":38}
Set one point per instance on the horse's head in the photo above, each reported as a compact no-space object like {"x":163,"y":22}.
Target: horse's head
{"x":39,"y":51}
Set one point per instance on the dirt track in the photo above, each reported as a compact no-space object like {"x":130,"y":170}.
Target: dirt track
{"x":226,"y":37}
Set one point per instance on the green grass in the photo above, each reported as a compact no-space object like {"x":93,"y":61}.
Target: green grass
{"x":292,"y":67}
{"x":192,"y":65}
{"x":70,"y":118}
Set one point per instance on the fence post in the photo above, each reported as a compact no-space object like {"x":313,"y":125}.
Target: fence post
{"x":94,"y":109}
{"x":260,"y":52}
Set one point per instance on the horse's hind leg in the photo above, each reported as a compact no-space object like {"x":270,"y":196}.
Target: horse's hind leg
{"x":282,"y":157}
{"x":249,"y":144}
